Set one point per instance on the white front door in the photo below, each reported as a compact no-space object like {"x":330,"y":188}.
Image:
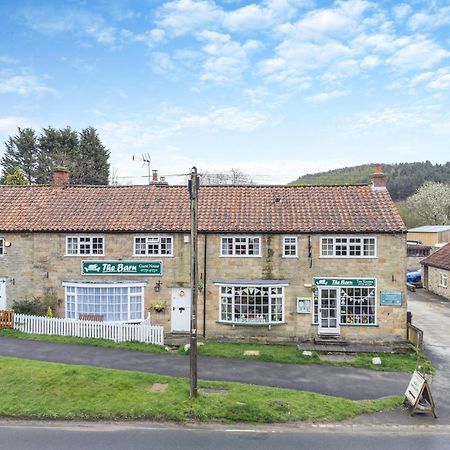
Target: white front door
{"x":181,"y":309}
{"x":328,"y":311}
{"x":2,"y":293}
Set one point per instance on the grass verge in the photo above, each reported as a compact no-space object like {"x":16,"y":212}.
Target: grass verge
{"x":135,"y":346}
{"x":31,"y":389}
{"x":288,"y":354}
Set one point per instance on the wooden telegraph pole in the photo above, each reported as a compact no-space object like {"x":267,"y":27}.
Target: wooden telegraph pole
{"x":194,"y":183}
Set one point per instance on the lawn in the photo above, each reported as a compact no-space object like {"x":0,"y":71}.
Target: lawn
{"x":288,"y":354}
{"x":31,"y":389}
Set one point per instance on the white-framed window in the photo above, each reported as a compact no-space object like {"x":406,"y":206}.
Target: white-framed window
{"x":240,"y":246}
{"x":348,"y":247}
{"x":119,"y":302}
{"x":355,"y":306}
{"x":84,"y":245}
{"x":153,"y":245}
{"x":2,"y":246}
{"x":252,"y":304}
{"x":443,"y":279}
{"x":290,"y":246}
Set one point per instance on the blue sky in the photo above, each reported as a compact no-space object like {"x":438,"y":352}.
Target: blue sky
{"x":276,"y":88}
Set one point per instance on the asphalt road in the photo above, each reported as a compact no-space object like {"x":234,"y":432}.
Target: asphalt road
{"x":346,"y":382}
{"x":47,"y":436}
{"x":432,"y":315}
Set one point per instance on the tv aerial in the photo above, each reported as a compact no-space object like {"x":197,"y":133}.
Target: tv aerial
{"x":146,"y":160}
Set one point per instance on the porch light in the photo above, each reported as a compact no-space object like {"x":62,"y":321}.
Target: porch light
{"x":157,"y":287}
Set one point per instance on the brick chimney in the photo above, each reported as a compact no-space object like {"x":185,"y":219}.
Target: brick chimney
{"x":378,"y":178}
{"x":60,"y":176}
{"x":154,"y":176}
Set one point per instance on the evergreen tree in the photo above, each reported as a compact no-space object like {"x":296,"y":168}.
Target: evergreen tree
{"x":16,"y":178}
{"x":56,"y":148}
{"x":94,"y":159}
{"x":20,"y":151}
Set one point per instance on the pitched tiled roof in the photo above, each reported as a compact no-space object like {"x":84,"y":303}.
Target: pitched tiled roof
{"x":308,"y":209}
{"x":440,"y":258}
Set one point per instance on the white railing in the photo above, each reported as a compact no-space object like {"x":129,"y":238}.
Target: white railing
{"x":114,"y":331}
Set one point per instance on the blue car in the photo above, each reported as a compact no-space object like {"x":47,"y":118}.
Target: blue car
{"x":414,"y":277}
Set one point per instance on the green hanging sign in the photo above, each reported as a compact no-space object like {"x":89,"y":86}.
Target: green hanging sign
{"x":345,"y":282}
{"x":149,"y":268}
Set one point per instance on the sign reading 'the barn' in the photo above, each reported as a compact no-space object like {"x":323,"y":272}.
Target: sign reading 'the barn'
{"x":149,"y":268}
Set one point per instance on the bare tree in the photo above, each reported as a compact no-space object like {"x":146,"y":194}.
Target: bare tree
{"x":233,"y":176}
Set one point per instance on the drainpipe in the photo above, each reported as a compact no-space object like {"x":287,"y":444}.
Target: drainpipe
{"x":204,"y":286}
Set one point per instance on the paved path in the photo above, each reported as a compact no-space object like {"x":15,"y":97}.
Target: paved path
{"x":347,"y":382}
{"x":432,"y":315}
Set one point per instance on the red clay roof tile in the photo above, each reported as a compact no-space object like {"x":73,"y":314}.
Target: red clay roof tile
{"x":439,"y":259}
{"x":227,"y":209}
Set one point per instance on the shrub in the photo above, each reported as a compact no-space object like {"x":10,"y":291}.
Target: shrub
{"x":37,"y":306}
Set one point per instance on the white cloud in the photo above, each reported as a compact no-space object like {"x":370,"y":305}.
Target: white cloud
{"x":227,"y":59}
{"x":180,"y":17}
{"x":401,"y":11}
{"x":326,"y":96}
{"x":257,"y":16}
{"x":370,"y":61}
{"x":53,"y":21}
{"x":162,"y":63}
{"x":151,"y":37}
{"x":424,"y":19}
{"x":9,"y":124}
{"x":441,"y":79}
{"x":397,"y":117}
{"x":342,"y":20}
{"x":420,"y":54}
{"x":24,"y":85}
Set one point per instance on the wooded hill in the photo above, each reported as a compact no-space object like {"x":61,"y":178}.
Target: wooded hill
{"x":403,"y":179}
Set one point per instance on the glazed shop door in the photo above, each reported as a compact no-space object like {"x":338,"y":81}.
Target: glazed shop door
{"x":328,"y":311}
{"x":181,"y":310}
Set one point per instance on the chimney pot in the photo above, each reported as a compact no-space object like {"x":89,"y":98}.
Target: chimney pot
{"x":378,"y":178}
{"x":60,"y":176}
{"x":155,"y":176}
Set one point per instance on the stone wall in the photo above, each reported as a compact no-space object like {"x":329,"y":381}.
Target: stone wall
{"x":433,"y":282}
{"x":35,"y":263}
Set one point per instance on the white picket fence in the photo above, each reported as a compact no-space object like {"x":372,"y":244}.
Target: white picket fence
{"x":114,"y":331}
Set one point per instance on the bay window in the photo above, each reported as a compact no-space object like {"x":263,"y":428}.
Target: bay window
{"x":246,"y":304}
{"x":116,"y":302}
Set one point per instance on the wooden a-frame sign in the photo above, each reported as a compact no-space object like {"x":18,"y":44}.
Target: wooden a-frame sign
{"x":418,"y":395}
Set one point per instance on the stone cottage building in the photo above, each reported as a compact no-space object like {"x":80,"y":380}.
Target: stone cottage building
{"x":277,"y":263}
{"x":436,"y":272}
